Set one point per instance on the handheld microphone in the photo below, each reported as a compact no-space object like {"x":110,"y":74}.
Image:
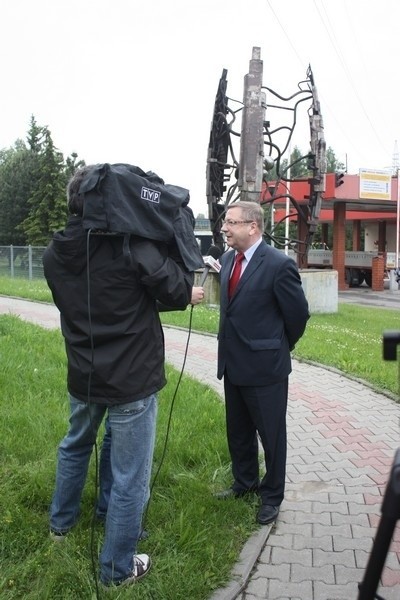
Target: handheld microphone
{"x":211,"y":262}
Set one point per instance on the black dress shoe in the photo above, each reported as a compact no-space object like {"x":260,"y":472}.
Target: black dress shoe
{"x":267,"y":513}
{"x":231,"y":493}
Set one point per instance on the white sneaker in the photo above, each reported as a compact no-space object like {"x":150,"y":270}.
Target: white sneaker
{"x":141,"y":566}
{"x":56,"y":536}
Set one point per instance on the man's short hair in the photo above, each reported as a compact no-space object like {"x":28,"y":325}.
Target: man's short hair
{"x":74,"y":198}
{"x":251,"y":211}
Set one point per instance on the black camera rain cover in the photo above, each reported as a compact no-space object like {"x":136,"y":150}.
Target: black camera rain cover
{"x":121,"y":198}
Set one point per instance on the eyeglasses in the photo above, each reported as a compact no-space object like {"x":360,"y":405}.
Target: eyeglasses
{"x":231,"y":222}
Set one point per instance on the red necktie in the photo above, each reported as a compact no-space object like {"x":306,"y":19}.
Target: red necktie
{"x":237,"y":269}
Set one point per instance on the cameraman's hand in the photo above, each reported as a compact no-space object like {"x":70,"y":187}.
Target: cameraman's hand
{"x":197,"y":295}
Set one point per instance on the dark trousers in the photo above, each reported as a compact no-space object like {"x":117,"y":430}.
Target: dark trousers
{"x":251,"y":410}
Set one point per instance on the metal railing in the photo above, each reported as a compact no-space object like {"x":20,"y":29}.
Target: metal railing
{"x":22,"y":261}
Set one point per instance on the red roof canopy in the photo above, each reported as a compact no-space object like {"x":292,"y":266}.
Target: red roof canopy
{"x":371,"y":209}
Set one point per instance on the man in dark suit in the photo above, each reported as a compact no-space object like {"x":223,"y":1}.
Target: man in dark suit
{"x":260,"y":322}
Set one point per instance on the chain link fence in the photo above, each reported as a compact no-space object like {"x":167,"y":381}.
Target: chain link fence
{"x":22,"y":261}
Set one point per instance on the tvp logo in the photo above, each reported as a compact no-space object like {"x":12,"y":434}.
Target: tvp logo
{"x":150,"y":195}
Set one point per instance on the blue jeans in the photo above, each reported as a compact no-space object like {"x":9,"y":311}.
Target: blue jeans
{"x":105,"y":475}
{"x":132,"y":428}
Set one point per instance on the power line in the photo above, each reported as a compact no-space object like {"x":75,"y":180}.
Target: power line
{"x":335,"y":46}
{"x":303,"y":63}
{"x":328,"y":27}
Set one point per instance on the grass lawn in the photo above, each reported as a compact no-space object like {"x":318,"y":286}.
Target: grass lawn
{"x":194,"y":538}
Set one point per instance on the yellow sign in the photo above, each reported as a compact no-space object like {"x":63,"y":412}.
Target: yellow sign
{"x":375,"y":184}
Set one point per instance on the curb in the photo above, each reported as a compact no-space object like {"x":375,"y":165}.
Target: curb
{"x":243,"y":569}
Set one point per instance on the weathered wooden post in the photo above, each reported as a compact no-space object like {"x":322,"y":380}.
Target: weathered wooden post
{"x":252,"y":141}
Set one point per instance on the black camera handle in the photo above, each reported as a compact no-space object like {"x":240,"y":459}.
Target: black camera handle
{"x":390,"y":508}
{"x":390,"y":515}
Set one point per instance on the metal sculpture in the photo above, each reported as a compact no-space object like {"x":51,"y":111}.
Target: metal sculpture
{"x":229,"y":180}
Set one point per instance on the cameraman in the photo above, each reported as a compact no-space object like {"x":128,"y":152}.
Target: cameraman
{"x":115,"y":353}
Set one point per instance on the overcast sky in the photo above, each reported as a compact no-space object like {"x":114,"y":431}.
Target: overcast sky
{"x":135,"y":80}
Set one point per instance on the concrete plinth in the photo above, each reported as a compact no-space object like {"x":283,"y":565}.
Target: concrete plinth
{"x":321,"y":290}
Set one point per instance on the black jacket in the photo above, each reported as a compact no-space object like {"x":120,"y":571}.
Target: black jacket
{"x":108,"y":307}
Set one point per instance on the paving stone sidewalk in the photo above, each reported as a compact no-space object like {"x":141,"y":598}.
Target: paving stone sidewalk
{"x":342,"y":437}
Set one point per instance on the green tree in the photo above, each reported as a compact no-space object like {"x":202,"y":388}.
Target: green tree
{"x":332,"y":163}
{"x":33,"y":179}
{"x":19,"y":173}
{"x":47,"y":204}
{"x":298,"y":166}
{"x":16,"y":186}
{"x":35,"y":136}
{"x":72,"y":164}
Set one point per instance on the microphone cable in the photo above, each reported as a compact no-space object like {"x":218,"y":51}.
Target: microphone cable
{"x":166,"y":439}
{"x":93,"y":554}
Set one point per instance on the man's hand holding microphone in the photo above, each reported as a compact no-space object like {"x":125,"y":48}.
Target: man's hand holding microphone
{"x":210,"y":262}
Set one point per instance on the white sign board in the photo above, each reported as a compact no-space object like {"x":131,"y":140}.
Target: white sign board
{"x":375,"y":184}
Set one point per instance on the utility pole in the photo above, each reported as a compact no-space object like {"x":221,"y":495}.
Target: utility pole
{"x":252,"y":140}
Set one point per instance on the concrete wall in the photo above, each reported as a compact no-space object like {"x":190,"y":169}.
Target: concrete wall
{"x":320,"y":287}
